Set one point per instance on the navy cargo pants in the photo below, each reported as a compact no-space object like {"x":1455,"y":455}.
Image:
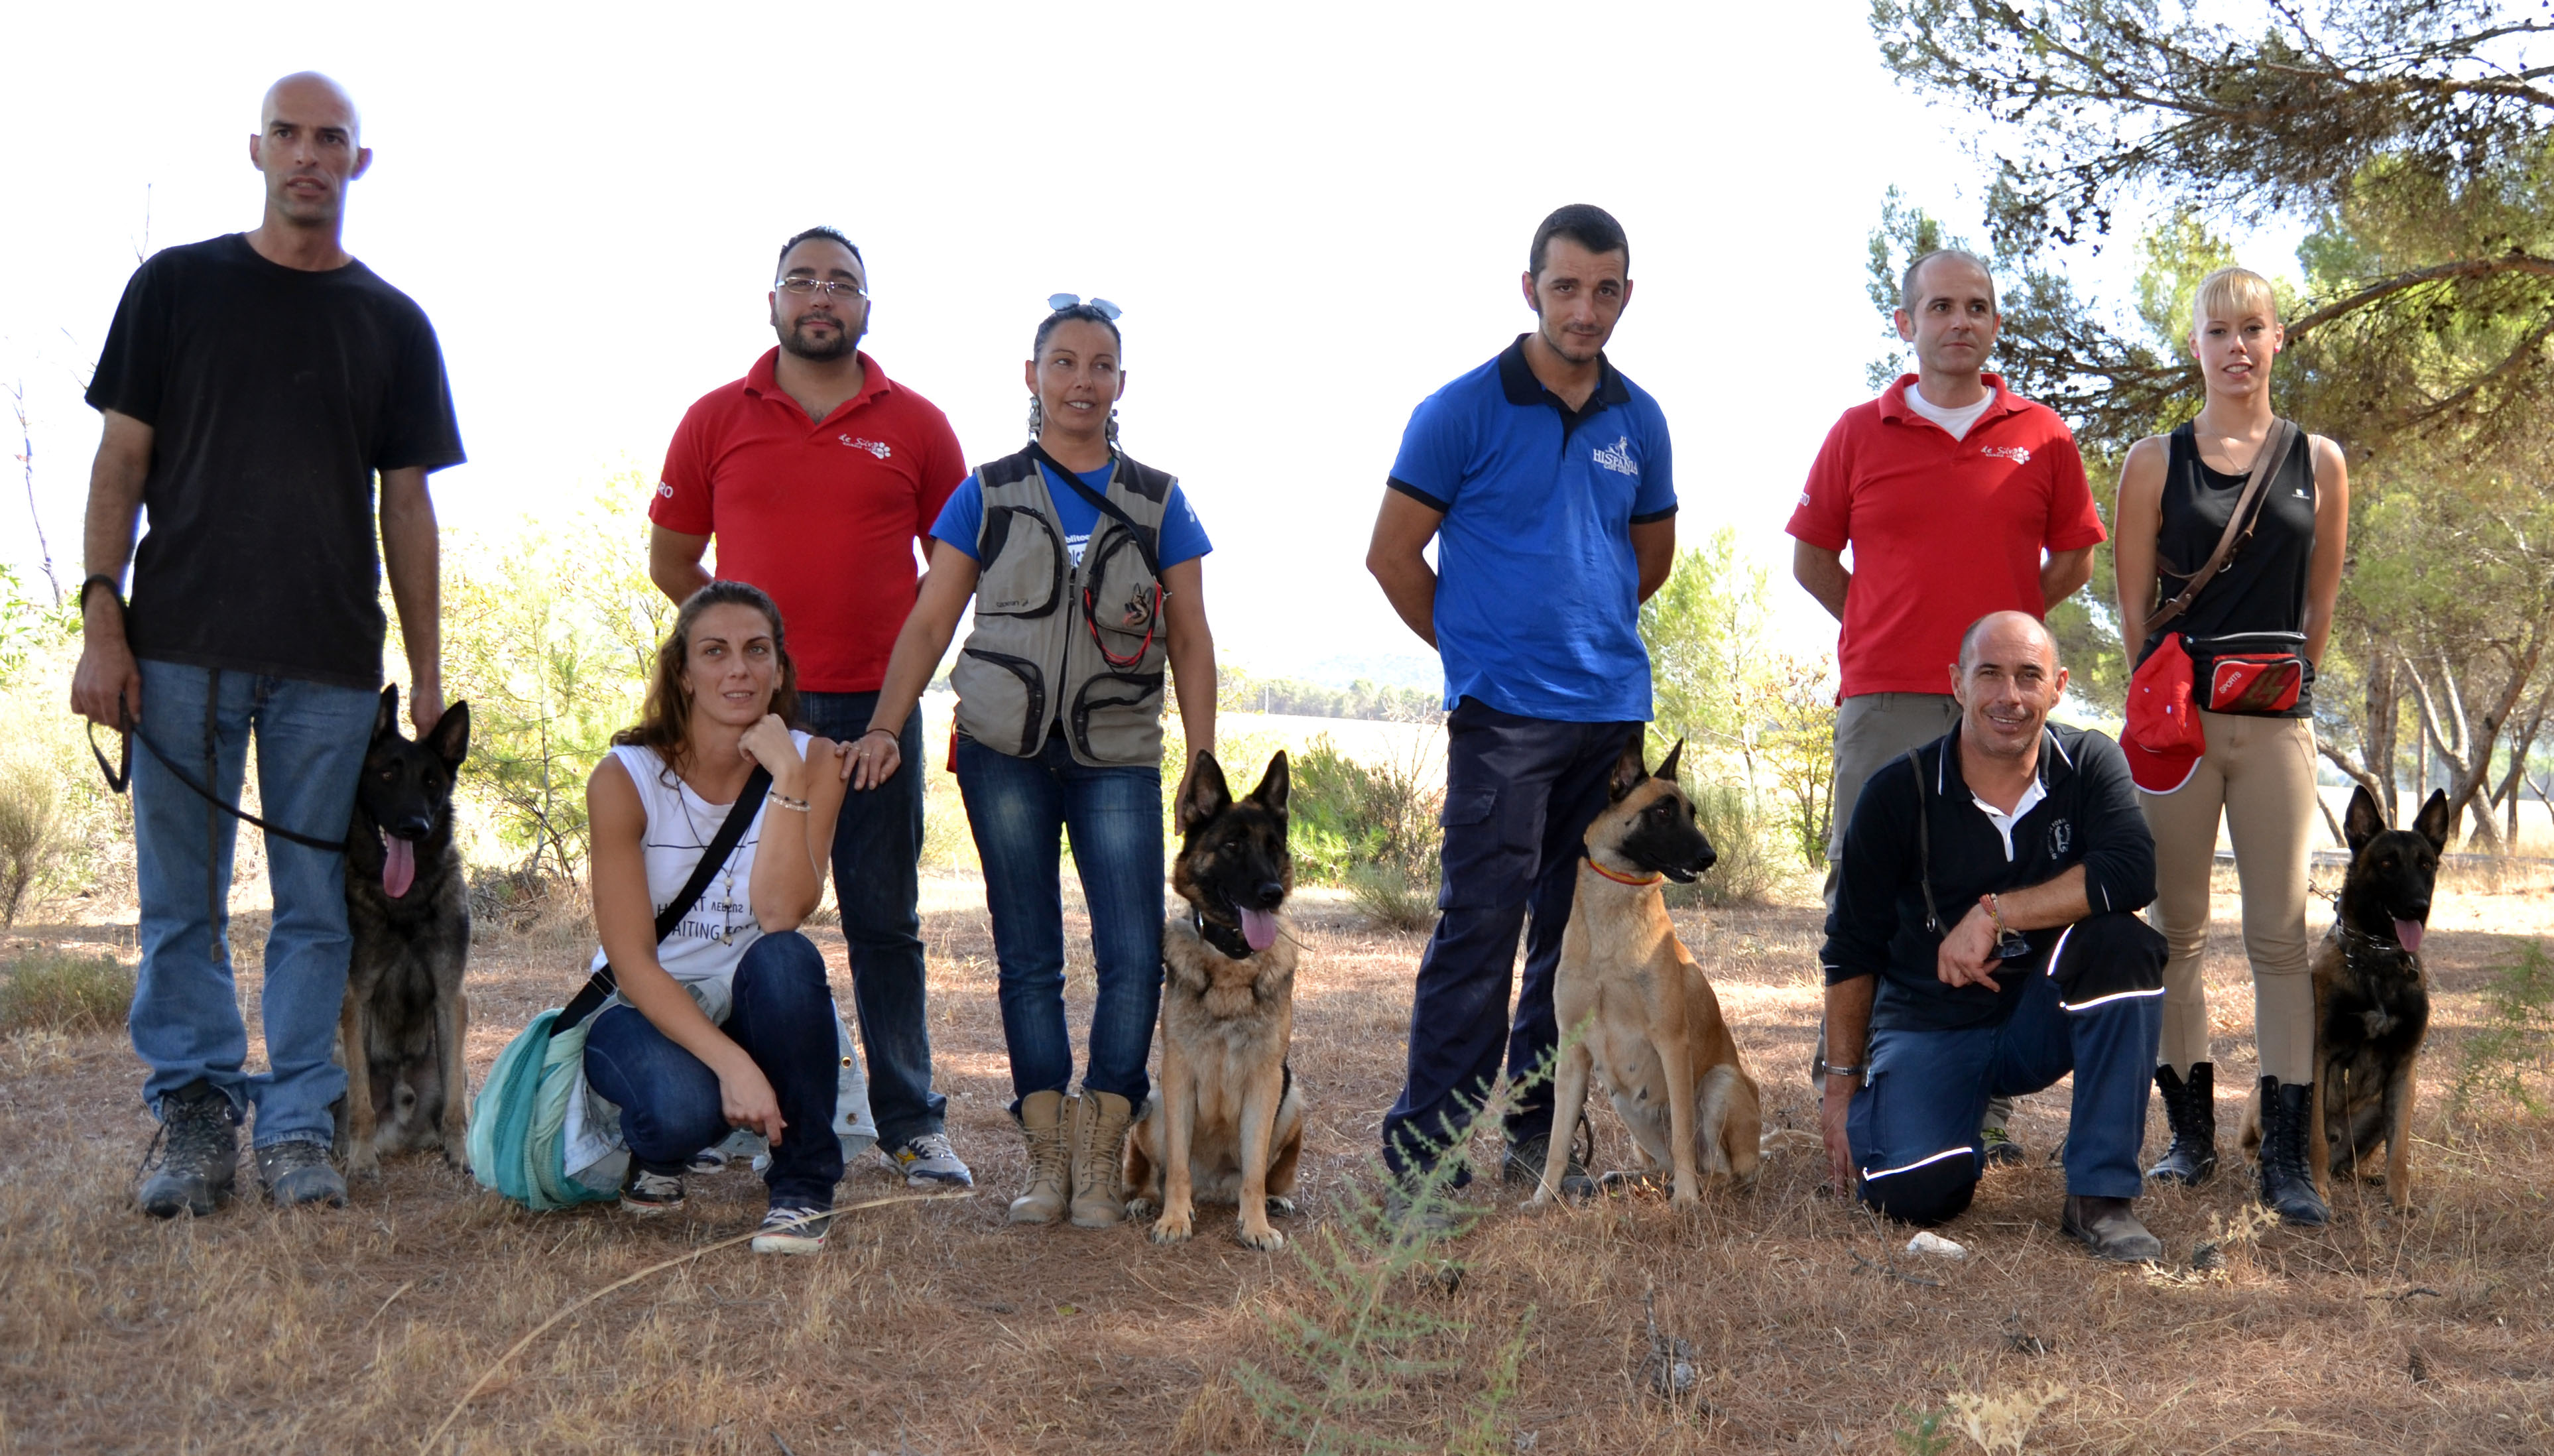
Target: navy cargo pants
{"x":1520,"y":793}
{"x":2095,"y":1007}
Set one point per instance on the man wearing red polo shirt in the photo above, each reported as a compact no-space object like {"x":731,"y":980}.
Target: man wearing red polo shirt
{"x":1959,"y":498}
{"x":817,"y":475}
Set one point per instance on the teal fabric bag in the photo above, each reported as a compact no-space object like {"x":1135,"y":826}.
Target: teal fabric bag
{"x":517,"y":1128}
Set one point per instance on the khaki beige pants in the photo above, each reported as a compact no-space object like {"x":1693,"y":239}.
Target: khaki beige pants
{"x":2258,"y":773}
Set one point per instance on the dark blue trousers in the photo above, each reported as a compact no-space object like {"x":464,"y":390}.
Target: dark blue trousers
{"x":1914,"y":1125}
{"x":877,"y":846}
{"x":1520,"y":793}
{"x":783,"y":1017}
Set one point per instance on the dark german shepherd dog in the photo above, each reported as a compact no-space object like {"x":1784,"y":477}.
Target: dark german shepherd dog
{"x":1227,"y":1121}
{"x":2372,"y":1007}
{"x":403,"y":1030}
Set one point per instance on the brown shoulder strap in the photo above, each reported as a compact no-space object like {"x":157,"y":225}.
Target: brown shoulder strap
{"x":2239,"y":526}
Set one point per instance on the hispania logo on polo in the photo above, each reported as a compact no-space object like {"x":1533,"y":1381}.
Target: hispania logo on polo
{"x":878,"y":448}
{"x":2017,"y":454}
{"x":1618,"y":457}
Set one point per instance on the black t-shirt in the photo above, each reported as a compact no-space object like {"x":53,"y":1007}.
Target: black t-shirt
{"x":2256,"y":602}
{"x":273,"y":394}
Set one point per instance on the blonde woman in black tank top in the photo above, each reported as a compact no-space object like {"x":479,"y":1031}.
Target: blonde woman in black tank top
{"x":2274,"y":594}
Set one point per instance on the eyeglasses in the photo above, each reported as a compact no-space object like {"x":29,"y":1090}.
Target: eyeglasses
{"x":1062,"y":301}
{"x":832,"y":287}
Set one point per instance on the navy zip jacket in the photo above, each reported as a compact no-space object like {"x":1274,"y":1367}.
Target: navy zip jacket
{"x":2089,"y":816}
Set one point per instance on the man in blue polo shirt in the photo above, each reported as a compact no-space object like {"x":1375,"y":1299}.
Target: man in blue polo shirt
{"x":1543,"y":477}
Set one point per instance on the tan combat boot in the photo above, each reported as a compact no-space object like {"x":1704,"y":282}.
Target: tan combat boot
{"x":1099,"y":1122}
{"x":1045,"y":1120}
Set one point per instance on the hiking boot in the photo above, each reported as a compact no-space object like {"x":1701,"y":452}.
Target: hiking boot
{"x":2110,"y":1230}
{"x":198,"y":1154}
{"x":2190,"y":1107}
{"x":1100,"y":1123}
{"x":2287,"y":1180}
{"x":1420,"y":1220}
{"x":928,"y":1162}
{"x":1524,"y":1163}
{"x":648,"y":1194}
{"x":2001,"y":1150}
{"x":1045,"y":1119}
{"x":793,"y":1231}
{"x":298,"y":1172}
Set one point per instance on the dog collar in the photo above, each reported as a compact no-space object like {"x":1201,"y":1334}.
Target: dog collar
{"x":1228,"y":940}
{"x":1624,"y":879}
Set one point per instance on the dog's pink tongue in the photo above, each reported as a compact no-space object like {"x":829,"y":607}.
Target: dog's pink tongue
{"x":2409,"y":933}
{"x":1260,"y":927}
{"x":399,"y":865}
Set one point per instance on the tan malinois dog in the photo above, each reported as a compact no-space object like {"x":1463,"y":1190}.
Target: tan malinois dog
{"x":1633,"y":1004}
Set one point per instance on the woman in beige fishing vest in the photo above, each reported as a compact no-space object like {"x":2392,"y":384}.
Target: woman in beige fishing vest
{"x":1084,"y":565}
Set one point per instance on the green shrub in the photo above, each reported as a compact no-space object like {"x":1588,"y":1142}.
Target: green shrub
{"x":1382,"y":893}
{"x":2516,"y":1038}
{"x":1348,"y":813}
{"x":1738,"y":827}
{"x":30,"y":841}
{"x":55,"y":990}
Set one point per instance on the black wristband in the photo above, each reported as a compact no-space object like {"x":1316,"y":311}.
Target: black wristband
{"x":113,"y":588}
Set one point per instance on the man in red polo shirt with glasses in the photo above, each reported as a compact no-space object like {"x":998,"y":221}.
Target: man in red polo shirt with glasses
{"x":817,"y":475}
{"x":1959,"y":498}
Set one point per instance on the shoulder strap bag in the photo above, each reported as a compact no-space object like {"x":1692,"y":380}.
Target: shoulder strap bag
{"x":600,"y":986}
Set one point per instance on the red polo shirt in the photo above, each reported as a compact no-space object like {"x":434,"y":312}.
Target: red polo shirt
{"x":1943,"y":531}
{"x":823,"y":516}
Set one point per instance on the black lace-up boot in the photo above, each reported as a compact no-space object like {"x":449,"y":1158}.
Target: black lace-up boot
{"x":2191,"y":1108}
{"x":2288,"y":1182}
{"x":200,"y":1159}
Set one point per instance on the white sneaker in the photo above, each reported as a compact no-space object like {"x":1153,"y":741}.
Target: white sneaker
{"x":928,"y":1162}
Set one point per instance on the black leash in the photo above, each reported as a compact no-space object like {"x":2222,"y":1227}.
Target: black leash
{"x":120,"y":775}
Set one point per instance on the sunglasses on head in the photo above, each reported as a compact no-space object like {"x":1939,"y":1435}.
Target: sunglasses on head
{"x":1062,"y":301}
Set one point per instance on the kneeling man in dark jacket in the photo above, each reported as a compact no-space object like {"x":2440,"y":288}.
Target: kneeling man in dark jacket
{"x":1985,"y":943}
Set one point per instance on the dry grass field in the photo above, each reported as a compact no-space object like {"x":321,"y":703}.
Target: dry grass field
{"x":935,"y":1329}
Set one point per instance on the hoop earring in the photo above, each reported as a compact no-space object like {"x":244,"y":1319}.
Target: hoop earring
{"x":1111,"y":429}
{"x":1037,"y":416}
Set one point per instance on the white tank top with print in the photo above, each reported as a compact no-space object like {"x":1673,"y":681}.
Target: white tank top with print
{"x":713,"y":934}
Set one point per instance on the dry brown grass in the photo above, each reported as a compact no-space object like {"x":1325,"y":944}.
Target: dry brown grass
{"x":940,"y":1328}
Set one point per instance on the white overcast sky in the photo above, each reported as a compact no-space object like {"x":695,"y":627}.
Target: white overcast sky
{"x":1314,"y":214}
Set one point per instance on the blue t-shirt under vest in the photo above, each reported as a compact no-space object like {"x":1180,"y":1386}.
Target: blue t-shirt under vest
{"x":962,"y":520}
{"x":1538,"y":593}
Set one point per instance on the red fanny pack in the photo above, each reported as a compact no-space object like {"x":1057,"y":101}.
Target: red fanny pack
{"x":2254,"y":682}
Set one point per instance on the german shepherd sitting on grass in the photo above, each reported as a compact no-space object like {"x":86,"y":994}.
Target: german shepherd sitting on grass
{"x":2371,"y":1003}
{"x":1633,"y":1006}
{"x":400,"y":1035}
{"x":1225,"y":1123}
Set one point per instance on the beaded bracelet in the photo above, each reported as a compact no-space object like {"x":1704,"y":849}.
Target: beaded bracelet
{"x":785,"y":802}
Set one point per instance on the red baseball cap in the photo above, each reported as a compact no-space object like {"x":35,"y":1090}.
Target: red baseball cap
{"x":2163,"y":738}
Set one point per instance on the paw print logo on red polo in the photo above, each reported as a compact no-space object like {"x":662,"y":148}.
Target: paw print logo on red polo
{"x":2017,"y":454}
{"x":878,"y":448}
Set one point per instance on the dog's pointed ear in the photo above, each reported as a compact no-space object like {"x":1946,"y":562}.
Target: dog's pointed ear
{"x":1204,"y":796}
{"x":1274,"y":784}
{"x":450,"y":739}
{"x":2364,"y":821}
{"x":385,"y":717}
{"x":2435,"y":820}
{"x":1667,"y":765}
{"x":1629,"y":773}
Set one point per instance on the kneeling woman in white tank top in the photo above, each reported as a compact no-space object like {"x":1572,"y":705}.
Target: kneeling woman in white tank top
{"x":728,"y":1022}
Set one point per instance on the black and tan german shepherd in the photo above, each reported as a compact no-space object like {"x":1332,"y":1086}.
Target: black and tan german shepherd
{"x":1225,"y":1123}
{"x":404,"y":1025}
{"x":2371,"y":1005}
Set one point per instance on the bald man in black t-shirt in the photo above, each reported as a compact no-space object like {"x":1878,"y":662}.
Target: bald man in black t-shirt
{"x":254,"y":385}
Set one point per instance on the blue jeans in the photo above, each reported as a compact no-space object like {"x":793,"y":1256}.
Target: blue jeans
{"x":877,"y":843}
{"x":1914,"y":1124}
{"x":1018,"y":808}
{"x":1520,"y":793}
{"x":186,"y":1021}
{"x":782,"y":1015}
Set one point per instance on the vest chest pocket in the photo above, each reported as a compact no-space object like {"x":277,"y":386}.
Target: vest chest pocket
{"x":1122,"y":599}
{"x":1023,"y":572}
{"x":1114,"y":713}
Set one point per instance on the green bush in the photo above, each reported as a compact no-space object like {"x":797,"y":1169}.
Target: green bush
{"x":2516,"y":1038}
{"x":1385,"y":895}
{"x":1736,"y":826}
{"x":1350,"y":814}
{"x":30,"y":821}
{"x":55,"y":990}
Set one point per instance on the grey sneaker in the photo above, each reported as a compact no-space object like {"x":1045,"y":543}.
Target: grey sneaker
{"x":299,"y":1173}
{"x":928,"y":1162}
{"x":647,"y":1194}
{"x":1523,"y":1167}
{"x":198,"y":1154}
{"x":793,"y":1231}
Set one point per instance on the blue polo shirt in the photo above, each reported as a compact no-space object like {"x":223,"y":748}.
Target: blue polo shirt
{"x":1538,"y":593}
